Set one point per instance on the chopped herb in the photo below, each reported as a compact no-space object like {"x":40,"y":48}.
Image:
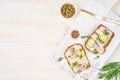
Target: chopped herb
{"x":106,"y":33}
{"x":81,"y":56}
{"x":73,"y":49}
{"x":84,"y":36}
{"x":88,"y":37}
{"x":111,"y":71}
{"x":95,"y":51}
{"x":97,"y":57}
{"x":101,"y":41}
{"x":74,"y":64}
{"x":60,"y":59}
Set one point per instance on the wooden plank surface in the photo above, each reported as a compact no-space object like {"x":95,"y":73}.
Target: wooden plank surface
{"x":29,"y":31}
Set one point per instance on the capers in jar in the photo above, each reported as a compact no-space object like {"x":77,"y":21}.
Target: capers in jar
{"x":67,"y":10}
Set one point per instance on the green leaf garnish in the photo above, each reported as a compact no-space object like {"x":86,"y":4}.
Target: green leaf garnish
{"x":60,"y":59}
{"x":95,"y":51}
{"x":73,"y":49}
{"x":88,"y":65}
{"x":101,"y":41}
{"x":110,"y":71}
{"x":88,"y":37}
{"x":106,"y":33}
{"x":81,"y":56}
{"x":74,"y":64}
{"x":97,"y":57}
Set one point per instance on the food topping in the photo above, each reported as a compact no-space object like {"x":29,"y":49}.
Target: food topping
{"x":67,"y":10}
{"x":78,"y":61}
{"x":60,"y":59}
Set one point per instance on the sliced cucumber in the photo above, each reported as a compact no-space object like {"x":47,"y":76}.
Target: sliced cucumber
{"x":106,"y":33}
{"x":90,"y":43}
{"x":103,"y":38}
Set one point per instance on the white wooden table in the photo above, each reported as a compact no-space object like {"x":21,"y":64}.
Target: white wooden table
{"x":29,"y":31}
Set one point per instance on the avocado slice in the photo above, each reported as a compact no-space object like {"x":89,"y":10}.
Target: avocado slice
{"x":103,"y":38}
{"x":80,"y":51}
{"x":90,"y":43}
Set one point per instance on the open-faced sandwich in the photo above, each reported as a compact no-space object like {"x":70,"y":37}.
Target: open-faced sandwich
{"x":98,"y":41}
{"x":76,"y":58}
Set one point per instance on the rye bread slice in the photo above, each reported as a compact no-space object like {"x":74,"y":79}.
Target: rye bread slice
{"x":76,"y":57}
{"x":101,"y":46}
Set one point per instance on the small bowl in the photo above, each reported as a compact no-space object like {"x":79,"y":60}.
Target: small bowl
{"x":69,"y":10}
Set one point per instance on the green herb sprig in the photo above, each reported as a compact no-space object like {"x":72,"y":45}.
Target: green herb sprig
{"x":110,"y":71}
{"x":83,"y":37}
{"x":74,"y":64}
{"x":81,"y":56}
{"x":60,"y":59}
{"x":97,"y":57}
{"x":106,"y":33}
{"x":73,"y":50}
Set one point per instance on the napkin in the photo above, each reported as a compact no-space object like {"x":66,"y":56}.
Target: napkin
{"x":100,"y":7}
{"x":116,"y":8}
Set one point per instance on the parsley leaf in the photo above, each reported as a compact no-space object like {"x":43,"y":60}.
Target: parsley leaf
{"x":74,"y":64}
{"x":84,"y":36}
{"x":73,"y":49}
{"x":97,"y":57}
{"x":95,"y":51}
{"x":60,"y":59}
{"x":101,"y":41}
{"x":81,"y":56}
{"x":106,"y":33}
{"x":88,"y":37}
